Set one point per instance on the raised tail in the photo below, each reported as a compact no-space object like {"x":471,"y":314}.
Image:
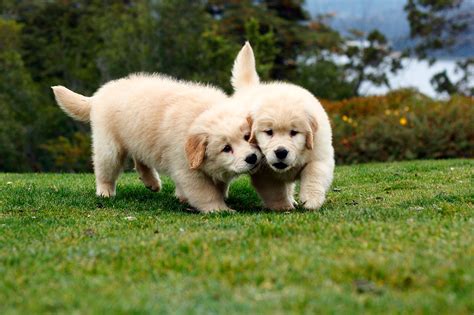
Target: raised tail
{"x":244,"y":73}
{"x":75,"y":105}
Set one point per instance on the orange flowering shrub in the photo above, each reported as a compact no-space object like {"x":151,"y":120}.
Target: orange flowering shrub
{"x":401,"y":125}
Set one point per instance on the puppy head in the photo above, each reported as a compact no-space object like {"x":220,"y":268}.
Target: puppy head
{"x":283,"y":128}
{"x":218,"y":143}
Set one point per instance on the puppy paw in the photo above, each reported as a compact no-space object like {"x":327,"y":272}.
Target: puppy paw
{"x":293,"y":202}
{"x":224,"y":210}
{"x":182,"y":199}
{"x":152,"y":184}
{"x":228,"y":210}
{"x":154,"y":188}
{"x":105,"y":192}
{"x":281,"y":206}
{"x":313,"y":203}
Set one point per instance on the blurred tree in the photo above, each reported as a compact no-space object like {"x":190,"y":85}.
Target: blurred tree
{"x":190,"y":45}
{"x":18,"y":107}
{"x":442,"y":25}
{"x":438,"y":24}
{"x":127,"y":39}
{"x":443,"y":84}
{"x":264,"y":47}
{"x":287,"y":21}
{"x":59,"y":42}
{"x":369,"y":60}
{"x":58,"y":45}
{"x":325,"y":79}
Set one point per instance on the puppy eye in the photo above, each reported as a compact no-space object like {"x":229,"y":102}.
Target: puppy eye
{"x":293,"y":133}
{"x":269,"y":132}
{"x":227,"y":148}
{"x":247,"y":137}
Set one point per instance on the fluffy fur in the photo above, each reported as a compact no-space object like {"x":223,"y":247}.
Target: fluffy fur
{"x":182,"y":129}
{"x":292,"y":130}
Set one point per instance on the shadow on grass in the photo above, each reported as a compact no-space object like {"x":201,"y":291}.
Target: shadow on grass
{"x":130,"y":197}
{"x":242,"y":199}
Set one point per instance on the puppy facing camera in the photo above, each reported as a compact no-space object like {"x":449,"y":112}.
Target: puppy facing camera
{"x":293,"y":132}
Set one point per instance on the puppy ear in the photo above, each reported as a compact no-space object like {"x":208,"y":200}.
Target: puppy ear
{"x":244,"y":72}
{"x":196,"y":150}
{"x":313,"y":126}
{"x":252,"y":139}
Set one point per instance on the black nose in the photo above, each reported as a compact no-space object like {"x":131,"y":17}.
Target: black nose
{"x":281,"y":153}
{"x":251,"y":159}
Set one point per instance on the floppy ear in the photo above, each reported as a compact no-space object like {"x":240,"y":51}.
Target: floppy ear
{"x":196,"y":150}
{"x":244,"y":72}
{"x":313,"y":126}
{"x":252,"y":139}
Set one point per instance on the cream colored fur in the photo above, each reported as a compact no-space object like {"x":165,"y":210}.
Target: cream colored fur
{"x":289,"y":118}
{"x":175,"y":127}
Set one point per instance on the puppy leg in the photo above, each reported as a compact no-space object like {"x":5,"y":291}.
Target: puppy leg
{"x":273,"y":192}
{"x":224,"y":188}
{"x":290,"y":187}
{"x":108,"y":162}
{"x":178,"y":192}
{"x":149,"y":176}
{"x":201,"y":193}
{"x":316,"y":178}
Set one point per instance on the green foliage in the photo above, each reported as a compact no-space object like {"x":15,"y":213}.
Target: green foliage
{"x":60,"y":42}
{"x":324,"y":79}
{"x":287,"y":25}
{"x":391,"y":238}
{"x":17,"y":102}
{"x":84,"y":43}
{"x":215,"y":58}
{"x":263,"y":46}
{"x":12,"y":140}
{"x":402,"y":125}
{"x":70,"y":154}
{"x":127,"y":40}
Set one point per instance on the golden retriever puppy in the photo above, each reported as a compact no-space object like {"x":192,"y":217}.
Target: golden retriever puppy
{"x":293,"y":132}
{"x":186,"y":130}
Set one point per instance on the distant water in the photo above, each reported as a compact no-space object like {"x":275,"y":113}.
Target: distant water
{"x":415,"y":74}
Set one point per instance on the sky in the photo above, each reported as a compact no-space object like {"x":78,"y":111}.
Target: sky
{"x":386,"y":15}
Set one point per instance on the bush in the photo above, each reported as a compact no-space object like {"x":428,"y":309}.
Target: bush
{"x":71,"y":155}
{"x":402,"y":125}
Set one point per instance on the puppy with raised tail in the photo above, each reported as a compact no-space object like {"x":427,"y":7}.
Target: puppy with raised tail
{"x":293,"y":132}
{"x":186,"y":130}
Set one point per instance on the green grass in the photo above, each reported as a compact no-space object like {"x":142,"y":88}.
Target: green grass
{"x":392,"y":238}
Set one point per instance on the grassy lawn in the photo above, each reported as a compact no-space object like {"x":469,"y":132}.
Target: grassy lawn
{"x":392,"y":238}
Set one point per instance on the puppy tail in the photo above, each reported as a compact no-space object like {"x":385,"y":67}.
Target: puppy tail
{"x":75,"y":105}
{"x":244,"y":73}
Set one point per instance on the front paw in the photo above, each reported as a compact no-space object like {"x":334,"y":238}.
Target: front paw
{"x":181,"y":199}
{"x":217,"y":210}
{"x":313,"y":203}
{"x":152,"y":184}
{"x":280,"y":206}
